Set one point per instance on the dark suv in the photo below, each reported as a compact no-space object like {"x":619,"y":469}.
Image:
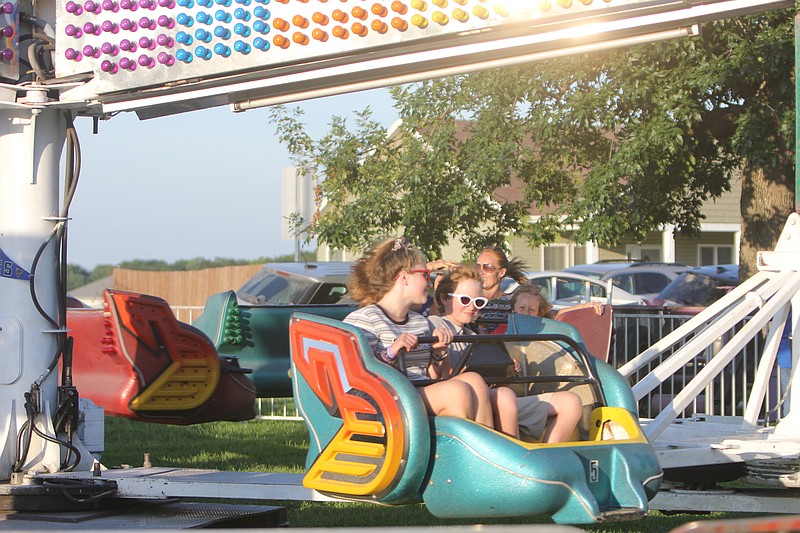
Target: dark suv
{"x":699,"y":287}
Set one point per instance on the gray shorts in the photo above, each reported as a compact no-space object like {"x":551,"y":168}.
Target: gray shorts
{"x":533,"y":412}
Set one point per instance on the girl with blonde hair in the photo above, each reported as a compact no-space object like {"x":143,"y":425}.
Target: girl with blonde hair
{"x":388,"y":281}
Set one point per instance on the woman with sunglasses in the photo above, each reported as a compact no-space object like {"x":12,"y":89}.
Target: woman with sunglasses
{"x":459,"y":298}
{"x":494,"y":266}
{"x":388,"y":281}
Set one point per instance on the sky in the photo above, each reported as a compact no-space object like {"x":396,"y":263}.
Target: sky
{"x":199,"y":184}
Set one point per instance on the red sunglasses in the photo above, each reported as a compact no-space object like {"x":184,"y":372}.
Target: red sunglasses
{"x":426,"y":273}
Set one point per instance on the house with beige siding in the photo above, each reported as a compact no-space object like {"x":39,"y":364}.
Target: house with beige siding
{"x":717,"y":243}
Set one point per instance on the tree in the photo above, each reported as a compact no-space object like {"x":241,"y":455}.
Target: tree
{"x":618,"y":143}
{"x":76,"y":276}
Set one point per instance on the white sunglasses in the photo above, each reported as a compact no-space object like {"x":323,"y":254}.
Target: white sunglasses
{"x":479,"y":301}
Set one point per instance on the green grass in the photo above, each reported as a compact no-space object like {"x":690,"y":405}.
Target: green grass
{"x":280,"y":446}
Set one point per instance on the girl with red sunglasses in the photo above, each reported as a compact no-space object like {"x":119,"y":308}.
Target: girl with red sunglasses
{"x":388,"y":281}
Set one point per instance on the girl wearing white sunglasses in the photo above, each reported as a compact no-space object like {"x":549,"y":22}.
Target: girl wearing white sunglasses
{"x":459,"y":296}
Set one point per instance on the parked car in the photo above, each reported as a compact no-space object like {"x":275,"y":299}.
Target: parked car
{"x":688,"y":294}
{"x":252,"y":323}
{"x":643,"y":278}
{"x":297,"y":283}
{"x":566,"y":289}
{"x":684,"y":297}
{"x":699,"y":287}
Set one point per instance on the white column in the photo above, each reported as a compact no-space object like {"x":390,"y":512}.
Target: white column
{"x":30,"y":151}
{"x":668,"y":244}
{"x":592,"y":252}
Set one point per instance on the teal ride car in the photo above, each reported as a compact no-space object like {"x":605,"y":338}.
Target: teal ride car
{"x":371,"y":438}
{"x":252,"y":323}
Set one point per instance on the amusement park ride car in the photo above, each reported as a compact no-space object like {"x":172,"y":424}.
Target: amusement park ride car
{"x":85,"y":61}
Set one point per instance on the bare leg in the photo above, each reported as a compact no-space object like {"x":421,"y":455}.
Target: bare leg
{"x":483,"y":404}
{"x":449,"y":398}
{"x":504,"y":408}
{"x":565,"y":410}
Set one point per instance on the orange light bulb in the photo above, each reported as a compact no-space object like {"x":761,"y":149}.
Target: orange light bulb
{"x":399,"y":7}
{"x":379,"y":26}
{"x":280,"y":41}
{"x":359,"y":29}
{"x":399,"y":24}
{"x":359,"y":13}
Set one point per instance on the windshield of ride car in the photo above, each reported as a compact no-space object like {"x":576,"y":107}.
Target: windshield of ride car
{"x":693,"y":289}
{"x":276,"y":288}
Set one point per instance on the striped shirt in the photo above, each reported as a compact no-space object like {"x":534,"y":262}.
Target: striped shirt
{"x":455,"y":350}
{"x":381,"y":331}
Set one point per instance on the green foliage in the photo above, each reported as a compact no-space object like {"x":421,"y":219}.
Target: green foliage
{"x":76,"y":276}
{"x":616,"y":143}
{"x":100,"y":272}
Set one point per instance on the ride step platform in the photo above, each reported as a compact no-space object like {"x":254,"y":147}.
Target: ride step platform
{"x":165,"y":482}
{"x":149,"y":515}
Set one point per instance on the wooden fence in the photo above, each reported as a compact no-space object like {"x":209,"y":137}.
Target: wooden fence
{"x":184,"y":288}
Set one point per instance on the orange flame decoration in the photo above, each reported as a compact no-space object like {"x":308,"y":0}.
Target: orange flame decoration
{"x":366,"y":454}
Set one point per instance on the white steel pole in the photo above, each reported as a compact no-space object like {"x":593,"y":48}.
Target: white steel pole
{"x":31,"y":142}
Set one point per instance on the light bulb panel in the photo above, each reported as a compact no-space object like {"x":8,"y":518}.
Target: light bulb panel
{"x":9,"y":40}
{"x":129,"y":44}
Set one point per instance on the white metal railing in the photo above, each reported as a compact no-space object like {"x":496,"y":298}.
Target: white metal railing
{"x":656,"y":385}
{"x":277,"y":409}
{"x":730,"y":349}
{"x":187,"y":313}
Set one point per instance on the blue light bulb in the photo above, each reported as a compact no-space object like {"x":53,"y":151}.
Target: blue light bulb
{"x":222,"y":50}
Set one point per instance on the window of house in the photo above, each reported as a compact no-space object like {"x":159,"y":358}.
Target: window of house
{"x":555,"y":257}
{"x":715,"y":255}
{"x":646,"y":252}
{"x":580,"y":255}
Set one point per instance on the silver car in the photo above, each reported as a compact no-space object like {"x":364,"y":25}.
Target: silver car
{"x":298,"y":283}
{"x":643,"y":278}
{"x":563,"y":289}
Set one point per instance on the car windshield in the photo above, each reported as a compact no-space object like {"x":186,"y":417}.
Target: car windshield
{"x":693,"y":289}
{"x":275,"y":287}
